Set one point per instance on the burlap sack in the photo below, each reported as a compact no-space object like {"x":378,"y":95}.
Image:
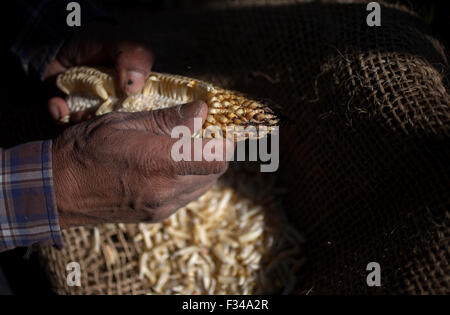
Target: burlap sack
{"x":365,"y":153}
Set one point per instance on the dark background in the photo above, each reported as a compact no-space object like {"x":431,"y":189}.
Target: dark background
{"x":20,"y":267}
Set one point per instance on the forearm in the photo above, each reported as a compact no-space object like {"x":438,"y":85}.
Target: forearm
{"x":28,"y":213}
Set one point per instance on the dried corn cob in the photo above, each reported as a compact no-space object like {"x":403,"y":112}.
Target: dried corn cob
{"x":88,"y":87}
{"x":171,"y":257}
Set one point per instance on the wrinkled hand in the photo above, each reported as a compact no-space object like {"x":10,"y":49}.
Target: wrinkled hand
{"x":118,"y":167}
{"x":100,"y":43}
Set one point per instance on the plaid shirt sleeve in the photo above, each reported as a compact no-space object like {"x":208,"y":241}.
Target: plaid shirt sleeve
{"x":28,"y":213}
{"x":46,"y":29}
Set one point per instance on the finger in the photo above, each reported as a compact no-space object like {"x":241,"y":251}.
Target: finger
{"x":183,"y":199}
{"x":170,"y":208}
{"x":168,"y":189}
{"x":163,"y":121}
{"x":58,"y":108}
{"x":194,"y":195}
{"x":190,"y":183}
{"x":53,"y":69}
{"x":133,"y":63}
{"x":200,"y":156}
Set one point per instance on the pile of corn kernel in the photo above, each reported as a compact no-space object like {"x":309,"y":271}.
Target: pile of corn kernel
{"x":223,"y":243}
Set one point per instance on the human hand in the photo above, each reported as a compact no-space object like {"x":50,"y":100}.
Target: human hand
{"x":118,"y":167}
{"x":100,"y":43}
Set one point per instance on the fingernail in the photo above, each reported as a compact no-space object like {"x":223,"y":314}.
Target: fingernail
{"x":133,"y":82}
{"x":54,"y":112}
{"x":190,"y":110}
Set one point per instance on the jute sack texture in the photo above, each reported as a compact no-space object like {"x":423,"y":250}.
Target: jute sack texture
{"x":365,"y":149}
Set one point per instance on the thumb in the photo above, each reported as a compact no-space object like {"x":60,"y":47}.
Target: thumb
{"x":162,"y":121}
{"x":133,"y":64}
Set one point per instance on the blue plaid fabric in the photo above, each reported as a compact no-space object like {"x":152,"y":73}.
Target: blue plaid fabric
{"x":28,"y":213}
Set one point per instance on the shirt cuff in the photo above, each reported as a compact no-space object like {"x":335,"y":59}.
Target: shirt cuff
{"x":28,"y":212}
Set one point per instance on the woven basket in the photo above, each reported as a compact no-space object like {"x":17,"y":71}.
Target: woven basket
{"x":129,"y":258}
